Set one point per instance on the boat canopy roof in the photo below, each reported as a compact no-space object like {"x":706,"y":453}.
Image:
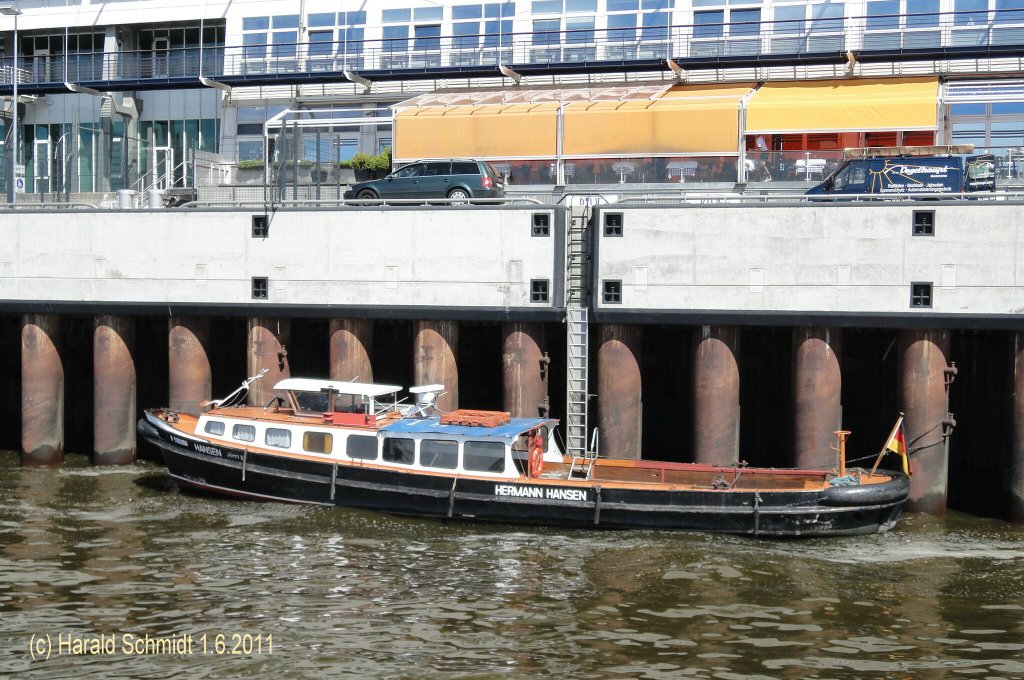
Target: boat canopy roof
{"x":355,"y":388}
{"x":432,"y":425}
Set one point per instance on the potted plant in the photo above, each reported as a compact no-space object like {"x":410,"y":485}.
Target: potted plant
{"x":367,"y":167}
{"x":249,"y":171}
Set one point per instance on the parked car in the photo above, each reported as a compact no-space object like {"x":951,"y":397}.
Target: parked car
{"x":458,"y":180}
{"x":901,"y":170}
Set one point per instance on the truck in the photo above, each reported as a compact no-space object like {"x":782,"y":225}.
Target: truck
{"x":910,"y":170}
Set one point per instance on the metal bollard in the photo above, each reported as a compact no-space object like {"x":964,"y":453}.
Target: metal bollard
{"x":124,"y":199}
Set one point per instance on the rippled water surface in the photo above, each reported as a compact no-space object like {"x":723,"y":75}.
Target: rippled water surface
{"x":86,"y":552}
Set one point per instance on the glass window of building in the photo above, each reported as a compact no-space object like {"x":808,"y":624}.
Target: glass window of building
{"x":271,"y":38}
{"x":894,"y":24}
{"x":469,"y":32}
{"x":1009,"y":12}
{"x":546,"y":7}
{"x":993,"y":122}
{"x":427,"y":38}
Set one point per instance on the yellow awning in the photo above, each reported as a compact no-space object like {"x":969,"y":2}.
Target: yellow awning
{"x":494,"y":131}
{"x":685,"y":119}
{"x":855,"y":105}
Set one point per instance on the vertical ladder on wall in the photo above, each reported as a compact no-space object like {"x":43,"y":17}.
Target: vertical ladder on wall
{"x":577,"y":343}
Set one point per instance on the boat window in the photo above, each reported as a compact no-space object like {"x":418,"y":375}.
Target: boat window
{"x":313,"y":402}
{"x":484,"y":456}
{"x":214,"y":427}
{"x":349,"y":403}
{"x":439,"y":453}
{"x":278,"y":437}
{"x":399,"y":450}
{"x":361,"y":446}
{"x":317,"y":442}
{"x":245,"y":433}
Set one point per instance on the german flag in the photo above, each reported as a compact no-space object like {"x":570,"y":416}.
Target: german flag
{"x":898,"y":444}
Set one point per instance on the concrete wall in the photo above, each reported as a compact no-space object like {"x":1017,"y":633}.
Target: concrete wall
{"x":478,"y":258}
{"x":807,"y":262}
{"x":854,"y":259}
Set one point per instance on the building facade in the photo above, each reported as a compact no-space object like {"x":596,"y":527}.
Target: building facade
{"x":138,"y":95}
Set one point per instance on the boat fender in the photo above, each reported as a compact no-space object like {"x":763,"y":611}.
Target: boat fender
{"x":537,"y":456}
{"x":895,"y":489}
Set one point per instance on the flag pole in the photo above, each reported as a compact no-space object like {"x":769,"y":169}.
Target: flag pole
{"x":885,"y":446}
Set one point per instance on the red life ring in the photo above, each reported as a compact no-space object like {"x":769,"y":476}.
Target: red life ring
{"x":537,"y":457}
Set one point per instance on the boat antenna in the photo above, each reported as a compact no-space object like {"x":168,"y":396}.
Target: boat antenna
{"x":235,"y":397}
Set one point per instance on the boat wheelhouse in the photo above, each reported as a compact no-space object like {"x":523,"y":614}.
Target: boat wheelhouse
{"x":358,"y":445}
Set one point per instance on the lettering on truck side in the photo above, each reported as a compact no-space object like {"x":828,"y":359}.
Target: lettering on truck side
{"x":539,"y":492}
{"x":937,"y":170}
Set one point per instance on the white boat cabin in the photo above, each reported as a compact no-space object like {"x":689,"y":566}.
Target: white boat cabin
{"x":366,"y":424}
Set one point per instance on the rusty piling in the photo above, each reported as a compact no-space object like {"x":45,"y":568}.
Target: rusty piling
{"x":42,"y":390}
{"x":817,"y":387}
{"x":114,"y":390}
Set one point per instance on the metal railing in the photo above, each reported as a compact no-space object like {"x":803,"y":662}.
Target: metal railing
{"x":695,"y":198}
{"x":361,"y":202}
{"x":892,"y":36}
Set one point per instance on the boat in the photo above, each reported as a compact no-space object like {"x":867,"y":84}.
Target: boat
{"x":357,"y":445}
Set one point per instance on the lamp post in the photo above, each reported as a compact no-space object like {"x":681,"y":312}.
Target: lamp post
{"x":12,"y":152}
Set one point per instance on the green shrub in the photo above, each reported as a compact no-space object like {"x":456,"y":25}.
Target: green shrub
{"x":251,"y":164}
{"x":381,"y":163}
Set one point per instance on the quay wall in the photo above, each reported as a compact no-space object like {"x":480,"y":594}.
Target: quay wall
{"x":855,"y":260}
{"x":799,"y":261}
{"x":378,"y":260}
{"x":733,"y":333}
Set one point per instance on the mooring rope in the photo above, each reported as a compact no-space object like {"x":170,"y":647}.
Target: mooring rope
{"x":911,"y":449}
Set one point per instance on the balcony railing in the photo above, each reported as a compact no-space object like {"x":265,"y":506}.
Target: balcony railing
{"x":934,"y":36}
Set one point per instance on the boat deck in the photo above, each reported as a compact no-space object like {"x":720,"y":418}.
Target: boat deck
{"x":691,"y":476}
{"x":614,"y":472}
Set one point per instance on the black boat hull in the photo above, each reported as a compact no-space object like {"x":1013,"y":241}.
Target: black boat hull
{"x":237,"y":472}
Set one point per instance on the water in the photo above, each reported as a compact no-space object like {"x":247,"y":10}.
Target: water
{"x":339,"y":593}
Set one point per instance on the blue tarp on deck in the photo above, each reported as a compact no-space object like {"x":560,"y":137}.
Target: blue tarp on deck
{"x":432,"y":425}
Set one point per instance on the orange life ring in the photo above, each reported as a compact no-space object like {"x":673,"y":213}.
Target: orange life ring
{"x":537,"y":457}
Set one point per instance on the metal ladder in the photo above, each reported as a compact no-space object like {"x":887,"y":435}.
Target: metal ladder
{"x":577,"y":341}
{"x":586,"y":461}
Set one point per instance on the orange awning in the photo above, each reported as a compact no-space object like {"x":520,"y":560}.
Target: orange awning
{"x":495,"y":131}
{"x":850,"y":105}
{"x":597,"y":120}
{"x":685,"y":119}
